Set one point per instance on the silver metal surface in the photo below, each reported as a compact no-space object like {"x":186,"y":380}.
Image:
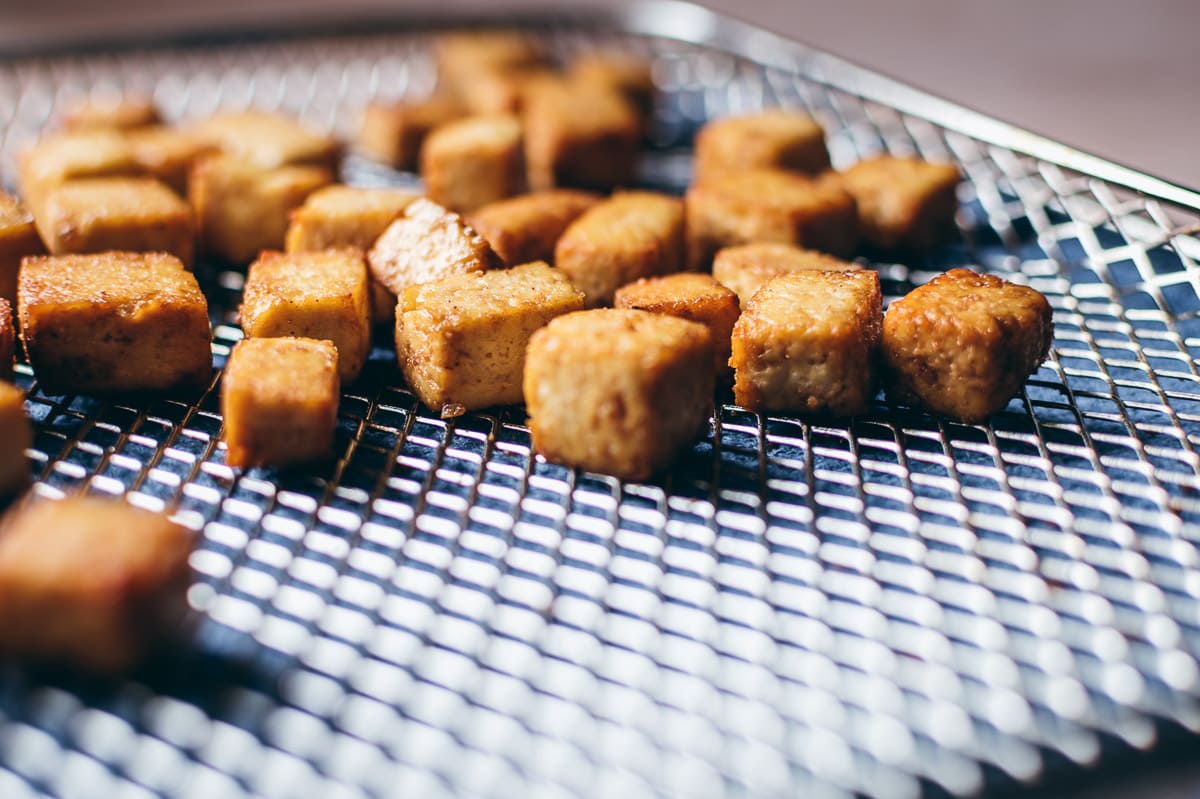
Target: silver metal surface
{"x":892,"y":605}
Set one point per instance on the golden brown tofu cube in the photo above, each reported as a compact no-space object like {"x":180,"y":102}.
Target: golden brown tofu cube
{"x":383,"y":303}
{"x":473,"y":161}
{"x":345,"y":216}
{"x":903,"y":203}
{"x":74,"y":154}
{"x":93,"y":215}
{"x":167,"y":153}
{"x":16,"y":436}
{"x":768,"y":206}
{"x":627,"y":73}
{"x":394,"y":132}
{"x":688,"y":295}
{"x":963,"y":344}
{"x":428,"y":243}
{"x":631,"y":235}
{"x":319,"y":295}
{"x":503,"y":91}
{"x":8,"y":340}
{"x":112,"y":112}
{"x":241,"y":209}
{"x":461,"y":341}
{"x":618,"y":391}
{"x":745,"y":267}
{"x":268,"y":140}
{"x":526,"y":228}
{"x":462,"y":56}
{"x":279,"y":398}
{"x":18,"y":238}
{"x":772,"y":139}
{"x":91,"y":583}
{"x":808,"y":342}
{"x":579,"y":135}
{"x":113,"y":322}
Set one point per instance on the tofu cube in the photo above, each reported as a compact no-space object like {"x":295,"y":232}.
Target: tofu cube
{"x":268,"y":140}
{"x":18,"y":238}
{"x":579,"y":135}
{"x":91,"y":583}
{"x":631,"y":235}
{"x":904,"y":204}
{"x":93,"y":215}
{"x":503,"y":90}
{"x":473,"y":161}
{"x":746,"y":267}
{"x":8,"y":340}
{"x":618,"y":391}
{"x":113,"y":112}
{"x":688,"y":295}
{"x":16,"y":436}
{"x":463,"y":56}
{"x":394,"y":132}
{"x":320,"y":295}
{"x":769,"y":206}
{"x":241,"y":209}
{"x":428,"y":243}
{"x":279,"y":399}
{"x":461,"y":341}
{"x":345,"y":216}
{"x":526,"y":228}
{"x":167,"y":153}
{"x":74,"y":154}
{"x":113,"y":322}
{"x":628,"y":74}
{"x":808,"y":342}
{"x":772,"y":139}
{"x":963,"y":344}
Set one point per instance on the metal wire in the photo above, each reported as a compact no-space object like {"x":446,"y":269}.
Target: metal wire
{"x":893,"y":605}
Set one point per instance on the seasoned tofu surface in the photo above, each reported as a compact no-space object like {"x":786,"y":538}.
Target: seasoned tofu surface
{"x":345,"y":216}
{"x":772,"y":139}
{"x":745,"y":267}
{"x":268,"y":140}
{"x":473,"y":161}
{"x":688,"y":295}
{"x":131,"y":279}
{"x":428,"y":243}
{"x":18,"y":238}
{"x":526,"y":228}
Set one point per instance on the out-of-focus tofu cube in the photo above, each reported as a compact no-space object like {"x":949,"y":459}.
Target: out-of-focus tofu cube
{"x":773,"y":139}
{"x":745,"y":267}
{"x":461,"y":341}
{"x":112,"y":112}
{"x":345,"y":216}
{"x":241,"y":209}
{"x":18,"y":238}
{"x":91,"y":583}
{"x":279,"y":398}
{"x":473,"y":161}
{"x":963,"y":344}
{"x":167,"y":153}
{"x":463,"y":56}
{"x":394,"y":132}
{"x":92,"y":215}
{"x":8,"y":340}
{"x":113,"y":322}
{"x":318,"y":295}
{"x":428,"y":243}
{"x":903,"y":203}
{"x":74,"y":154}
{"x":688,"y":295}
{"x":808,"y":342}
{"x":618,"y":391}
{"x":769,"y":206}
{"x":579,"y":135}
{"x":627,"y":73}
{"x":16,"y":436}
{"x":631,"y":235}
{"x":503,"y":91}
{"x":268,"y":140}
{"x":526,"y":228}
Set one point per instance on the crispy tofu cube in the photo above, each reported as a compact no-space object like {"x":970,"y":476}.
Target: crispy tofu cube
{"x":428,"y":243}
{"x":628,"y":74}
{"x":526,"y":228}
{"x":268,"y":140}
{"x":18,"y":238}
{"x":768,"y":206}
{"x":463,"y":56}
{"x":688,"y":295}
{"x":903,"y":203}
{"x":74,"y":154}
{"x":319,"y":295}
{"x":8,"y":340}
{"x":461,"y":341}
{"x":113,"y":322}
{"x":92,"y":215}
{"x":91,"y":583}
{"x":808,"y":342}
{"x":963,"y":344}
{"x":113,"y":112}
{"x":241,"y":209}
{"x":383,"y":303}
{"x":631,"y":235}
{"x":167,"y":153}
{"x":618,"y":391}
{"x":16,"y":436}
{"x":345,"y":216}
{"x":579,"y":135}
{"x":279,"y":398}
{"x":503,"y":91}
{"x":473,"y":161}
{"x":772,"y":139}
{"x":394,"y":132}
{"x":745,"y":267}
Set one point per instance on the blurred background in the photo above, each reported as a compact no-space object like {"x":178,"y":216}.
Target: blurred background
{"x":1113,"y":77}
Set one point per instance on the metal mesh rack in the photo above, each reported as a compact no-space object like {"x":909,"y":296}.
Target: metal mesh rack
{"x":892,"y":605}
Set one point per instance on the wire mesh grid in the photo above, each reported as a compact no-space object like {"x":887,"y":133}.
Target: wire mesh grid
{"x":892,"y":605}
